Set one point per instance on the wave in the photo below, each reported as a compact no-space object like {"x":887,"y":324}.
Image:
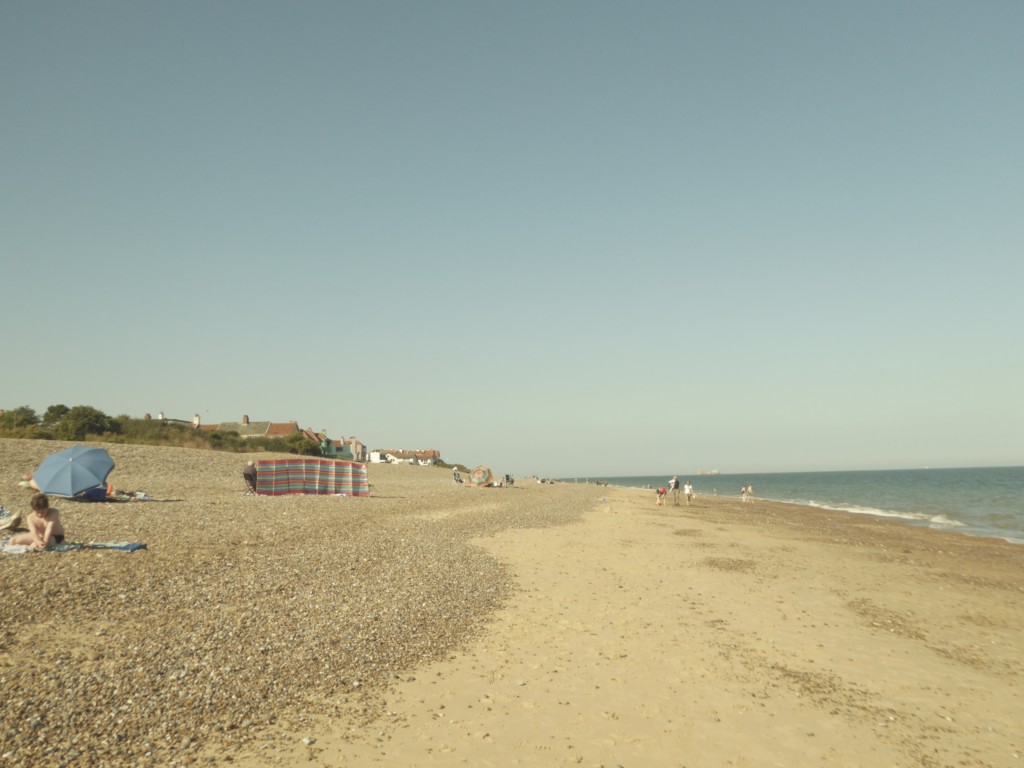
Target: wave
{"x":939,"y":520}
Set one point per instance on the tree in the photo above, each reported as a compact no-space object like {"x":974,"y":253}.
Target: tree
{"x":22,"y":416}
{"x":54,"y":414}
{"x":84,"y":420}
{"x":302,"y":445}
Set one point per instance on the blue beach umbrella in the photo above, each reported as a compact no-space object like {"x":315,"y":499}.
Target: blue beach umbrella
{"x":73,"y":470}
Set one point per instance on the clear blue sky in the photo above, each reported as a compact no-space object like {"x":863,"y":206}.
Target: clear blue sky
{"x":565,"y":238}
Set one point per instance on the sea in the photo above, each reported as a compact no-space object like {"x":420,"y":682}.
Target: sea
{"x":979,"y":501}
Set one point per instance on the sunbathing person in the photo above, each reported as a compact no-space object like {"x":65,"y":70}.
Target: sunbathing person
{"x":44,"y":526}
{"x":27,"y":481}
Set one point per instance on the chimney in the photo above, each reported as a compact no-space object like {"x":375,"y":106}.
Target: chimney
{"x":195,"y":421}
{"x":245,"y":419}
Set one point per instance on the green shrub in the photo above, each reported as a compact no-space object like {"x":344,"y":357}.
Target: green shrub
{"x":23,"y":416}
{"x":87,"y":423}
{"x":302,"y":445}
{"x":28,"y":432}
{"x":54,"y":414}
{"x":83,"y":420}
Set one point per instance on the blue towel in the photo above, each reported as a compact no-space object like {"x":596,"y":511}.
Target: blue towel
{"x":71,"y":546}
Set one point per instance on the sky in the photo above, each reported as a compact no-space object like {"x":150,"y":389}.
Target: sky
{"x":557,"y":238}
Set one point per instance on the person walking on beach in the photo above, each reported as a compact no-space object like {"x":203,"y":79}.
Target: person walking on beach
{"x":673,"y":485}
{"x":661,"y":495}
{"x":743,"y":494}
{"x":44,"y":526}
{"x":750,"y":492}
{"x":688,"y":490}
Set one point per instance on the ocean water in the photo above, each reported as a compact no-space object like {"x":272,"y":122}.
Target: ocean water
{"x":986,"y":501}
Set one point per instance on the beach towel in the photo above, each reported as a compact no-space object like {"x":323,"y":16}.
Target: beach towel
{"x":121,"y":546}
{"x":279,"y":477}
{"x":118,"y":496}
{"x":70,"y":546}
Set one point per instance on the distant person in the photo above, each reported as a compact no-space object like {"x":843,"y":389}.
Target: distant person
{"x":743,"y":494}
{"x":249,"y":473}
{"x":673,"y":485}
{"x":456,"y":477}
{"x":44,"y":526}
{"x":750,"y":492}
{"x":688,"y":492}
{"x":662,"y":493}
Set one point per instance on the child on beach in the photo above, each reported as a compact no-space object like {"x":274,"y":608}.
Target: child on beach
{"x":688,"y":490}
{"x":44,"y":526}
{"x":661,"y":495}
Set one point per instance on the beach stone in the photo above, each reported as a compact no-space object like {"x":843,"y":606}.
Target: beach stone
{"x":243,"y":613}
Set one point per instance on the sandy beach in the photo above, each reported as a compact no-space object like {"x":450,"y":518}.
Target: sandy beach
{"x":543,"y":624}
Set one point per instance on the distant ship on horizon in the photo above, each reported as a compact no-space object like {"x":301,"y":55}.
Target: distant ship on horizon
{"x":707,"y":471}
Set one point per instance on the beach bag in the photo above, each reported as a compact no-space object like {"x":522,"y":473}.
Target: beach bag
{"x":10,"y":523}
